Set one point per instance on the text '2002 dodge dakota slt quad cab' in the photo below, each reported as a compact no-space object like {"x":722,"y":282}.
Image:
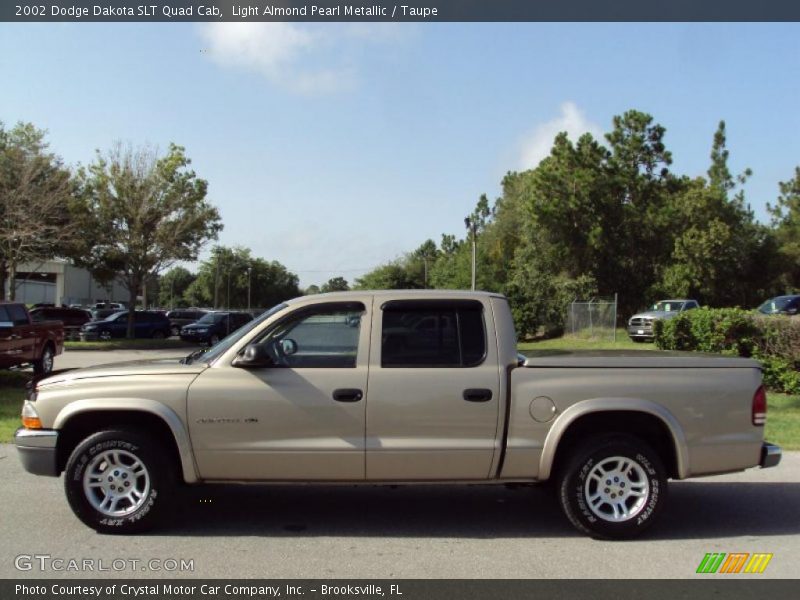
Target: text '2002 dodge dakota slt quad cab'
{"x":395,"y":387}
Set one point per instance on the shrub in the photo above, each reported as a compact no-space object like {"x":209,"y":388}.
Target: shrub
{"x":775,"y":341}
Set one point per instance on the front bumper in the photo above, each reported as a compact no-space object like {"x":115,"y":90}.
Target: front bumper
{"x":37,"y":450}
{"x":89,"y":336}
{"x":641,"y":331}
{"x":770,"y":455}
{"x":191,"y":336}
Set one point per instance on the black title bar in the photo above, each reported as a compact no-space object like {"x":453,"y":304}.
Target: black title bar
{"x":414,"y":10}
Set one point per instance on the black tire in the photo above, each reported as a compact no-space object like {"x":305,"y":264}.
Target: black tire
{"x":141,"y":515}
{"x":175,"y":331}
{"x":213,"y":339}
{"x":590,"y":507}
{"x":104,"y":335}
{"x":44,"y":366}
{"x":158,"y":335}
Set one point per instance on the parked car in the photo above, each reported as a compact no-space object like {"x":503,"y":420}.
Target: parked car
{"x":71,"y":318}
{"x":314,"y":391}
{"x":214,"y":326}
{"x":146,"y":325}
{"x":183,"y":316}
{"x":640,"y":325}
{"x":109,"y":305}
{"x":98,"y":314}
{"x":23,"y":341}
{"x":781,"y":305}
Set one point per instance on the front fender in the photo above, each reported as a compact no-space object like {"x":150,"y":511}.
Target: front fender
{"x":165,"y":413}
{"x":596,"y":405}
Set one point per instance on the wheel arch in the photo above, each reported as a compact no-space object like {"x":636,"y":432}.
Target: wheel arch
{"x":84,"y":417}
{"x":650,"y":421}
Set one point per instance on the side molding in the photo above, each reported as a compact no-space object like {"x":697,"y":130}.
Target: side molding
{"x":598,"y":405}
{"x":162,"y":411}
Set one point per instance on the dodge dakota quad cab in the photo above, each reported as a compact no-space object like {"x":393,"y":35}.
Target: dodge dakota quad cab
{"x":24,"y":341}
{"x":395,"y":387}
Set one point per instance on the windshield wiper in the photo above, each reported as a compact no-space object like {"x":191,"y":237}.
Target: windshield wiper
{"x":187,"y":360}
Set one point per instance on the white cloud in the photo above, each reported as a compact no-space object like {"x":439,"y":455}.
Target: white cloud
{"x":537,"y":144}
{"x":298,"y":57}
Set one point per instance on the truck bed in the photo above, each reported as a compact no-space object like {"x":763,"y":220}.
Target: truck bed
{"x":633,"y":359}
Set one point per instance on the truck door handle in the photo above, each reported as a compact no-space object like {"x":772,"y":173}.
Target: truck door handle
{"x":477,"y":395}
{"x":347,"y":395}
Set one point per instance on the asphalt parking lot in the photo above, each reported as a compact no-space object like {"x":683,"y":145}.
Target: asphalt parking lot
{"x":402,"y":532}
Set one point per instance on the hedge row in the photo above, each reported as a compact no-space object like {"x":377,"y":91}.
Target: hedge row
{"x":775,"y":341}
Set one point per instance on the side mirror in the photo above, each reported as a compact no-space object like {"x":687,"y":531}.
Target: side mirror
{"x":288,"y":347}
{"x":254,"y":356}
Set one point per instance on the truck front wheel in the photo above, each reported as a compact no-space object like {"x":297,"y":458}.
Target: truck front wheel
{"x":612,"y":487}
{"x":117,"y":481}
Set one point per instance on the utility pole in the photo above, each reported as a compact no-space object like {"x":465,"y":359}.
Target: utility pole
{"x":472,"y":227}
{"x":228,"y":294}
{"x":216,"y":282}
{"x":249,"y":273}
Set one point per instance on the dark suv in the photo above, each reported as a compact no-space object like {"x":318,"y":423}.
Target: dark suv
{"x":183,"y":316}
{"x":214,"y":326}
{"x":781,"y":305}
{"x":72,"y":318}
{"x":147,"y":325}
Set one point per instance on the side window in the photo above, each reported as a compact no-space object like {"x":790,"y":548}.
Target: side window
{"x":17,"y":314}
{"x":320,"y":338}
{"x":4,"y":316}
{"x":425,"y":335}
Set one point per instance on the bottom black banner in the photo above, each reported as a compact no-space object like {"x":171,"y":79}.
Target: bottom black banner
{"x":401,"y":589}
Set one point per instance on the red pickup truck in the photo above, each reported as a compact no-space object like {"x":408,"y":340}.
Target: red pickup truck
{"x":24,"y":342}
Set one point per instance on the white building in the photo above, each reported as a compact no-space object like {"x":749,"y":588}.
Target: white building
{"x":58,"y":282}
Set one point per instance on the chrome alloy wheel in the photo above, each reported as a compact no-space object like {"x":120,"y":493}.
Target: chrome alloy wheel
{"x":116,"y":483}
{"x":47,"y":360}
{"x":617,"y":489}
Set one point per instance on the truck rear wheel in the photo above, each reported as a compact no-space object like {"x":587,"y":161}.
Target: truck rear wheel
{"x":612,"y":487}
{"x":117,"y":481}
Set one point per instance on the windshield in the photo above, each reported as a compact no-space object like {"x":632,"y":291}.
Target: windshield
{"x":775,"y":305}
{"x":211,"y":318}
{"x":218,"y":349}
{"x":667,"y":306}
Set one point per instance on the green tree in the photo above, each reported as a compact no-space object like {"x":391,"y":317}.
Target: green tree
{"x":233,"y":278}
{"x":311,"y":290}
{"x":35,"y":190}
{"x":173,"y":284}
{"x":391,"y":276}
{"x":142,"y":213}
{"x":335,"y":284}
{"x":786,"y":222}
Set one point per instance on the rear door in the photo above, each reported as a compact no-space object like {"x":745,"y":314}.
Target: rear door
{"x":433,"y":391}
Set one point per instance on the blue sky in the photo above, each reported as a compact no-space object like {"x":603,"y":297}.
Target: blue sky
{"x":336,"y":147}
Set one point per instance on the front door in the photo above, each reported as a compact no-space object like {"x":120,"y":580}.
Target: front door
{"x":302,"y":418}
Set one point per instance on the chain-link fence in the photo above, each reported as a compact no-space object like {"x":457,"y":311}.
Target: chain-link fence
{"x":593,"y":319}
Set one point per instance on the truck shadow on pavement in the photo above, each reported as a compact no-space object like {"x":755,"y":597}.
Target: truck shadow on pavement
{"x":694,"y":510}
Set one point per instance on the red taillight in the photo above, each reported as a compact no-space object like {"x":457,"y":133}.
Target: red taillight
{"x":760,"y":406}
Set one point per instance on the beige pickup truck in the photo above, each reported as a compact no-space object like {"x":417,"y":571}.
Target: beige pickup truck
{"x":395,"y":387}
